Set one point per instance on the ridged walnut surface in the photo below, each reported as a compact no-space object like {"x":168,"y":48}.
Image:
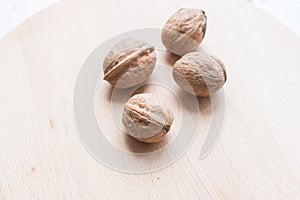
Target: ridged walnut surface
{"x":129,"y":63}
{"x":199,"y":74}
{"x":184,"y":31}
{"x":147,"y":118}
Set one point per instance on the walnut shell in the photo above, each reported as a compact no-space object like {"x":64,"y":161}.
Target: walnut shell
{"x":184,"y":31}
{"x":147,"y":118}
{"x":129,"y":63}
{"x":199,"y":74}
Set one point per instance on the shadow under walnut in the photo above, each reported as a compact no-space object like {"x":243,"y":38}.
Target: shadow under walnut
{"x":136,"y":146}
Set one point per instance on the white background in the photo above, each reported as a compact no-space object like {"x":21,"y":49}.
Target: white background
{"x":14,"y":12}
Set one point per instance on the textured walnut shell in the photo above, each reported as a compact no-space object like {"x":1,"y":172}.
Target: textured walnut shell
{"x":199,"y":74}
{"x":147,"y":118}
{"x":184,"y":31}
{"x":129,"y":63}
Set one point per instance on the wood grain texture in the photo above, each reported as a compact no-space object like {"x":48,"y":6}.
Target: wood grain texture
{"x":257,"y":157}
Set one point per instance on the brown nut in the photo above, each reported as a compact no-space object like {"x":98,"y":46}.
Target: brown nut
{"x":184,"y":31}
{"x":129,"y":63}
{"x":147,"y":118}
{"x":199,"y":74}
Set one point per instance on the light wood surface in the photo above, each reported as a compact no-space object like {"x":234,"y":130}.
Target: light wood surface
{"x":257,"y":156}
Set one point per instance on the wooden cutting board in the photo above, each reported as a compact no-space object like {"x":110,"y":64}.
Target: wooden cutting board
{"x":257,"y":156}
